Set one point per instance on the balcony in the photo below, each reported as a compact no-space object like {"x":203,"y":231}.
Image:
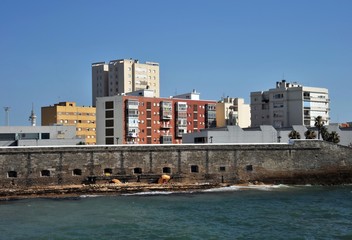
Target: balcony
{"x":165,"y":126}
{"x":132,"y":135}
{"x":166,"y":117}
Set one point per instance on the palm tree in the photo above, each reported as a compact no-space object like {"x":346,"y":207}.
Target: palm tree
{"x":324,"y":133}
{"x":334,"y":137}
{"x":294,"y":135}
{"x":319,"y":123}
{"x":310,"y":134}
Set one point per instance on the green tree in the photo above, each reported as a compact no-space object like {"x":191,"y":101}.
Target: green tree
{"x":324,"y":133}
{"x":319,"y":123}
{"x":310,"y":134}
{"x":294,"y":135}
{"x":333,"y":137}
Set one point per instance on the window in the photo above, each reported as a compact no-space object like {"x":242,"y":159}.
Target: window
{"x":222,"y":169}
{"x":109,"y":141}
{"x":137,"y":170}
{"x":109,"y":123}
{"x":249,"y":168}
{"x":166,"y":170}
{"x":45,"y":173}
{"x":12,"y":174}
{"x":45,"y":135}
{"x":77,"y":172}
{"x":109,"y":105}
{"x":194,"y":169}
{"x":109,"y":114}
{"x":109,"y":132}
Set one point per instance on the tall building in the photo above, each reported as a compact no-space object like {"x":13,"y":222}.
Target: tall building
{"x":139,"y":117}
{"x":124,"y":76}
{"x":289,"y":104}
{"x":68,"y":114}
{"x":233,"y":111}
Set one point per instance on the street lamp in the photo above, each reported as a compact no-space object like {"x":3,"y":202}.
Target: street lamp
{"x":278,"y":137}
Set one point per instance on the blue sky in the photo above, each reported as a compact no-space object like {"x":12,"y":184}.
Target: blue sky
{"x":219,"y":48}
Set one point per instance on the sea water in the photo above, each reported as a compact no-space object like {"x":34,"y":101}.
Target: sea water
{"x":258,"y":212}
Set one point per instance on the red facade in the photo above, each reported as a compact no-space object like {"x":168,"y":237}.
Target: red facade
{"x":164,"y":120}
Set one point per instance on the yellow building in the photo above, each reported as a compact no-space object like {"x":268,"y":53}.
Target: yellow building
{"x":233,"y":111}
{"x":67,"y":113}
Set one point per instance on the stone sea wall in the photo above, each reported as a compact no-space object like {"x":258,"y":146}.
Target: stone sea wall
{"x":301,"y":162}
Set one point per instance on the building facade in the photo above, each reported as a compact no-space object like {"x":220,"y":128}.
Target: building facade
{"x":68,"y":114}
{"x":38,"y":136}
{"x":124,"y":76}
{"x":289,"y":104}
{"x":140,"y":118}
{"x":261,"y":134}
{"x":233,"y":111}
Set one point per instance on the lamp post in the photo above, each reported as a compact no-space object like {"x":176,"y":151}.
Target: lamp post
{"x":278,"y":137}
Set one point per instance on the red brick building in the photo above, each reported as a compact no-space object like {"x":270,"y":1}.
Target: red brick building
{"x":140,"y":119}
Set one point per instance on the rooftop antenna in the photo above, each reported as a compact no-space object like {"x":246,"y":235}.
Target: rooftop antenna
{"x":33,"y":117}
{"x":283,"y":76}
{"x":7,"y":117}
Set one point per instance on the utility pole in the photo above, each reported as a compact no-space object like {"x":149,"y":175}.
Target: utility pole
{"x":7,"y":116}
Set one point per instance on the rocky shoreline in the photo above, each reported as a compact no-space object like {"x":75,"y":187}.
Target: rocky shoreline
{"x":71,"y":191}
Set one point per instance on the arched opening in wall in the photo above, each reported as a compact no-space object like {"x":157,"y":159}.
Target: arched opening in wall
{"x":45,"y":173}
{"x":107,"y":171}
{"x":137,"y":170}
{"x":194,"y":168}
{"x":77,"y":172}
{"x":12,"y":174}
{"x":166,"y":170}
{"x":249,"y":168}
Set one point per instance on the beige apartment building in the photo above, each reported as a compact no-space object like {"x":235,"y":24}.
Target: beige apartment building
{"x":68,"y":114}
{"x":289,"y":104}
{"x":124,"y":76}
{"x":233,"y":111}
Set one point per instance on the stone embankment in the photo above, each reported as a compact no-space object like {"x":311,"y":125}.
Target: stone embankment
{"x":63,"y":170}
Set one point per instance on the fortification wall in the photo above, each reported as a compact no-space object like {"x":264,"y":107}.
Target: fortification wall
{"x":298,"y":163}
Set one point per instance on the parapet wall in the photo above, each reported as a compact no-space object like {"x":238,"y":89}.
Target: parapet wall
{"x":302,"y":162}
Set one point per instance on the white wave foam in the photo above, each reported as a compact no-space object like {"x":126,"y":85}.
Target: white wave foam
{"x":147,"y":193}
{"x":90,"y":196}
{"x":246,"y":187}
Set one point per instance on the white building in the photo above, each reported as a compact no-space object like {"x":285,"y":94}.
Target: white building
{"x":289,"y":104}
{"x":39,"y":136}
{"x":123,"y":76}
{"x":261,"y":134}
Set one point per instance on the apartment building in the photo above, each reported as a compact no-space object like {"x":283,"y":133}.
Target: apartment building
{"x":289,"y":104}
{"x":233,"y":111}
{"x":141,"y":118}
{"x":124,"y":76}
{"x":68,"y":114}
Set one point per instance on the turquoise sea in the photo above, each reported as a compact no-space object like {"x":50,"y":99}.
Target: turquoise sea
{"x":264,"y":212}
